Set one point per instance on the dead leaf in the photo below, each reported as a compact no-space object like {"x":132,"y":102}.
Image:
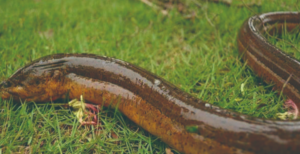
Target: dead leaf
{"x":115,"y":136}
{"x":48,"y":34}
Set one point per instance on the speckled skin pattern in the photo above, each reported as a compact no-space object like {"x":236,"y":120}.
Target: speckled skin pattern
{"x":164,"y":110}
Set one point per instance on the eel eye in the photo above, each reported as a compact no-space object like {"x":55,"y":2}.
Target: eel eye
{"x":5,"y":84}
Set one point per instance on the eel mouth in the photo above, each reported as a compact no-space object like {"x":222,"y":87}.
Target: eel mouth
{"x":7,"y":93}
{"x":4,"y":94}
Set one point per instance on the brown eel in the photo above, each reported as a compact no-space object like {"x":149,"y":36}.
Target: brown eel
{"x":164,"y":110}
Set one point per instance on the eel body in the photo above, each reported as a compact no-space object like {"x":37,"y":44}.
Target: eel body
{"x":164,"y":110}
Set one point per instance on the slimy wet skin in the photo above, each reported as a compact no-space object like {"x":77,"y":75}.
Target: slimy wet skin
{"x":161,"y":108}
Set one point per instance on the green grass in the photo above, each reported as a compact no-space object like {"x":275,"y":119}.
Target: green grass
{"x":287,"y":42}
{"x":198,"y":55}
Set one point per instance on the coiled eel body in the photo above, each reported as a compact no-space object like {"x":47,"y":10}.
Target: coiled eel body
{"x":164,"y":110}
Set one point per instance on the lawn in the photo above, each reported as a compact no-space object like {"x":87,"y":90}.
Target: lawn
{"x":193,"y":47}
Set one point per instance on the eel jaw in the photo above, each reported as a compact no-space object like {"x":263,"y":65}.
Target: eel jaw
{"x":4,"y":94}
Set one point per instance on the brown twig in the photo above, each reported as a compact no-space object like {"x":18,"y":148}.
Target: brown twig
{"x":164,"y":12}
{"x":229,"y":3}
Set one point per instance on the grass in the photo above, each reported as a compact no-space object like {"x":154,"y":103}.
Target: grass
{"x":287,"y":42}
{"x":199,"y":55}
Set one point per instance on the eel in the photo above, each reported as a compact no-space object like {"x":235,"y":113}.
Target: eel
{"x":163,"y":109}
